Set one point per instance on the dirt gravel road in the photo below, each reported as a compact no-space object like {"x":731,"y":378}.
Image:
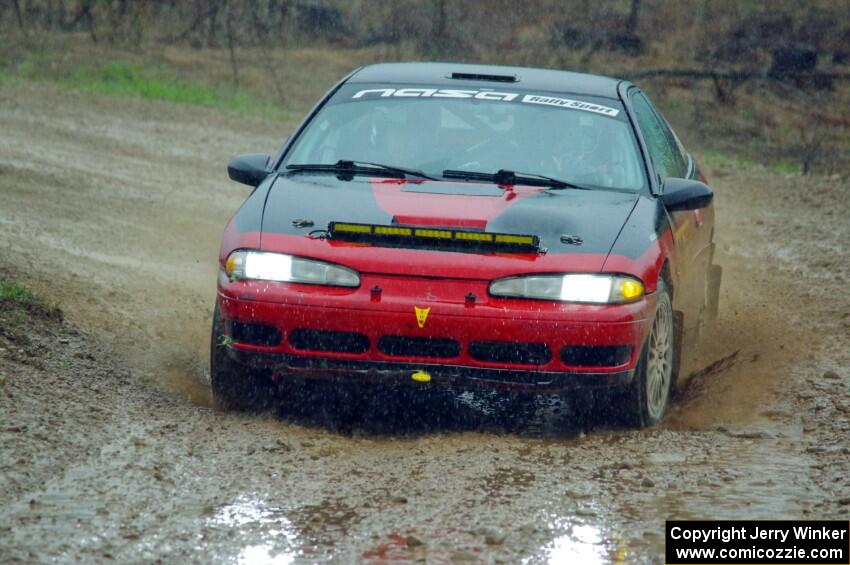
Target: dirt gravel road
{"x":111,"y":450}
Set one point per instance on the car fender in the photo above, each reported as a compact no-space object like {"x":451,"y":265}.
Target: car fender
{"x":644,"y":244}
{"x":245,"y":226}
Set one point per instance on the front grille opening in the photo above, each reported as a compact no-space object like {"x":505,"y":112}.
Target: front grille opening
{"x":510,"y":352}
{"x":325,"y":340}
{"x":596,"y":355}
{"x":402,"y":346}
{"x":253,"y":333}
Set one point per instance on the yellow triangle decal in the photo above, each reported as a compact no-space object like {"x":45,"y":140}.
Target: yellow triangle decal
{"x":421,"y":315}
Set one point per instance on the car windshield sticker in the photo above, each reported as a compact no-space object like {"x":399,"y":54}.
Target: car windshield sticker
{"x":486,"y":95}
{"x":567,"y":103}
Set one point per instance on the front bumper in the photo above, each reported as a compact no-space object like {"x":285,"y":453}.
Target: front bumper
{"x":377,"y":372}
{"x":554,"y":327}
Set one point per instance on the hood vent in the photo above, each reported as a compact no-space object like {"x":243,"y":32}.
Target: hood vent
{"x":489,"y":78}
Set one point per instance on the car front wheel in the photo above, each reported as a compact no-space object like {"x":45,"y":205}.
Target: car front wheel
{"x":235,"y":386}
{"x":646,"y":398}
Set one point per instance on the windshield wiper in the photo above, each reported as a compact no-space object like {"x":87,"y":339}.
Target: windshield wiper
{"x":359,"y":168}
{"x":504,"y":176}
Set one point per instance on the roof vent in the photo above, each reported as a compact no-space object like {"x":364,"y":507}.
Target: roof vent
{"x":479,"y":76}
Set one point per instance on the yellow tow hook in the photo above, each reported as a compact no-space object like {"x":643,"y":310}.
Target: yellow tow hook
{"x":421,"y":377}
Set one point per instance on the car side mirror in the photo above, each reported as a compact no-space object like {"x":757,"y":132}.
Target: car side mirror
{"x":250,"y":168}
{"x":685,"y":194}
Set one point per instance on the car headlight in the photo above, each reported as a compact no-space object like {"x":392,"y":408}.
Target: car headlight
{"x":598,"y":289}
{"x":260,"y":265}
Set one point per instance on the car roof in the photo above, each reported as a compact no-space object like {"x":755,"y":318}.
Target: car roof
{"x":527,"y":78}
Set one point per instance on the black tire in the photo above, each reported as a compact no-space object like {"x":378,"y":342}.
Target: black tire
{"x":712,"y":294}
{"x":645,"y":400}
{"x":236,"y":386}
{"x":326,"y":403}
{"x":710,"y":303}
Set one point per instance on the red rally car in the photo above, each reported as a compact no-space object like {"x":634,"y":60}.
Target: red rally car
{"x":468,"y":225}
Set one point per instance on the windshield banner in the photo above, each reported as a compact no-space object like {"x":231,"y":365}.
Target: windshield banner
{"x":486,"y":95}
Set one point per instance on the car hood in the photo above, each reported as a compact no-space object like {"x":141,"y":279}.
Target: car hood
{"x":300,"y":207}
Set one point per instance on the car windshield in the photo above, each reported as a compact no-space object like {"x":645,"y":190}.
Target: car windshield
{"x":583,"y":140}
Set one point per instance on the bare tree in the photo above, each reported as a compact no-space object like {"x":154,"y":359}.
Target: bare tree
{"x":262,"y":31}
{"x":632,"y":20}
{"x":17,"y":6}
{"x":439,"y":28}
{"x":229,"y":16}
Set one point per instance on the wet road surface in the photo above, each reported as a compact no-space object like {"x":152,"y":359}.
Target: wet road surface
{"x":111,"y":448}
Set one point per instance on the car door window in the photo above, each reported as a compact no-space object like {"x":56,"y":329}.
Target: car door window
{"x":660,"y":140}
{"x":680,"y":156}
{"x":681,"y":152}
